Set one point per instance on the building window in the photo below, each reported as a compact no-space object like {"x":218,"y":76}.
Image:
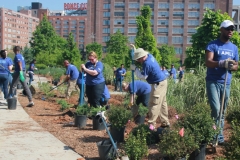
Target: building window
{"x":106,"y":14}
{"x":209,"y":5}
{"x":65,"y":30}
{"x":162,"y":14}
{"x":120,"y":29}
{"x":106,"y":30}
{"x":189,"y":40}
{"x":65,"y":22}
{"x":132,"y":21}
{"x":162,"y":30}
{"x":177,"y":22}
{"x":177,"y":40}
{"x":105,"y":38}
{"x":177,"y":30}
{"x":178,"y":50}
{"x":162,"y":40}
{"x":106,"y":6}
{"x":73,"y":22}
{"x":178,"y":14}
{"x":131,"y":39}
{"x":133,"y":5}
{"x":163,"y":5}
{"x":193,"y":22}
{"x":133,"y":14}
{"x":106,"y":22}
{"x":118,"y":21}
{"x":132,"y":30}
{"x":162,"y":22}
{"x":119,"y":5}
{"x":178,"y":5}
{"x":150,"y":5}
{"x":193,"y":14}
{"x":119,"y":14}
{"x":191,"y":30}
{"x":193,"y":6}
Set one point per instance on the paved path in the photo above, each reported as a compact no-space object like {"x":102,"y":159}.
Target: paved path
{"x":21,"y":138}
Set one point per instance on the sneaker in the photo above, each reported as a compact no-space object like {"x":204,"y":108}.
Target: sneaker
{"x":30,"y":104}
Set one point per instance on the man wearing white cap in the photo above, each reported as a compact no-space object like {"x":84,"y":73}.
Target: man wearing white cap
{"x":152,"y":73}
{"x":221,"y":57}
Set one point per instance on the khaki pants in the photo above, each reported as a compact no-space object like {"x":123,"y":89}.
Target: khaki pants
{"x":71,"y":87}
{"x":158,"y":104}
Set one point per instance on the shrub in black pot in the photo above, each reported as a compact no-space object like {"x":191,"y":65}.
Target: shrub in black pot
{"x":81,"y":114}
{"x":96,"y":119}
{"x":142,"y":112}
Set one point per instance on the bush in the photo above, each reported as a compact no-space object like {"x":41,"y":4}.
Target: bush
{"x":118,"y":116}
{"x":108,"y":74}
{"x":233,"y":115}
{"x":82,"y":110}
{"x":41,"y":66}
{"x":94,"y":111}
{"x":142,"y":110}
{"x":64,"y":104}
{"x":45,"y":88}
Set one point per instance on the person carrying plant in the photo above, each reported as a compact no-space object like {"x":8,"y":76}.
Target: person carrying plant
{"x":95,"y":81}
{"x":71,"y":78}
{"x":31,"y":71}
{"x":19,"y":75}
{"x":141,"y":89}
{"x":120,"y":73}
{"x":221,"y":59}
{"x":105,"y":97}
{"x":152,"y":73}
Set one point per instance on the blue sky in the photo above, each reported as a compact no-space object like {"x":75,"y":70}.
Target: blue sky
{"x":50,"y":4}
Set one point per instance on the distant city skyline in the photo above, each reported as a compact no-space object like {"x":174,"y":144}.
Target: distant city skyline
{"x":50,"y":4}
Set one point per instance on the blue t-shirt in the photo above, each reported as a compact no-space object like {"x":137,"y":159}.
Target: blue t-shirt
{"x":166,"y":73}
{"x":119,"y":73}
{"x":93,"y":80}
{"x":31,"y":66}
{"x":5,"y":63}
{"x":181,"y":74}
{"x":140,"y":88}
{"x":79,"y":80}
{"x":72,"y":71}
{"x":19,"y":58}
{"x":10,"y":60}
{"x":221,"y":51}
{"x":152,"y":70}
{"x":106,"y":94}
{"x":174,"y":73}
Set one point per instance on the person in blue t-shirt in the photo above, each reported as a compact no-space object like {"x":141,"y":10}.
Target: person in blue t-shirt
{"x":5,"y":68}
{"x":105,"y":97}
{"x":181,"y":74}
{"x":81,"y":82}
{"x":19,"y":75}
{"x":10,"y":75}
{"x":141,"y":89}
{"x":152,"y":73}
{"x":120,"y":73}
{"x":71,"y":78}
{"x":95,"y":81}
{"x":221,"y":58}
{"x":173,"y":73}
{"x":165,"y":71}
{"x":31,"y":71}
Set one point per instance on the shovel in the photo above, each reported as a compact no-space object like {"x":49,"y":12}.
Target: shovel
{"x":43,"y":98}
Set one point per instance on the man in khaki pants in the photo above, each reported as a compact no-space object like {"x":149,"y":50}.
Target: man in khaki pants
{"x":72,"y":76}
{"x":152,"y":73}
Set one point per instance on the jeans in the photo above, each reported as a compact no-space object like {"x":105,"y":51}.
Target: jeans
{"x":30,"y":78}
{"x":94,"y":94}
{"x":4,"y":84}
{"x":215,"y":92}
{"x":10,"y":78}
{"x":144,"y":99}
{"x":118,"y":84}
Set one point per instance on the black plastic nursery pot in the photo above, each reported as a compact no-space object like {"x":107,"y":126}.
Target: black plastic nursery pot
{"x":117,"y":134}
{"x":97,"y":123}
{"x":106,"y":150}
{"x":139,"y":119}
{"x":80,"y":121}
{"x":199,"y":154}
{"x":12,"y":103}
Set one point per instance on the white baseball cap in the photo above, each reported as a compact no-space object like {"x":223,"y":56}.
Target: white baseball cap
{"x":226,"y":23}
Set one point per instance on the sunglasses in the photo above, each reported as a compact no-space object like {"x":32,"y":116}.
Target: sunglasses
{"x":229,"y":29}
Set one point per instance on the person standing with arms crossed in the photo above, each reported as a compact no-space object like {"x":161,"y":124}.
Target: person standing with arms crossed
{"x":152,"y":73}
{"x":120,"y":73}
{"x":19,"y":74}
{"x":221,"y":56}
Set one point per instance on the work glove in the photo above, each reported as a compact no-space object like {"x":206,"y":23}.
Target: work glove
{"x":21,"y":76}
{"x":133,"y":67}
{"x":35,"y":69}
{"x":101,"y":114}
{"x":228,"y":64}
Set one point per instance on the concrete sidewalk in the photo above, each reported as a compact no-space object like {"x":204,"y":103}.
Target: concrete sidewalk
{"x":21,"y":138}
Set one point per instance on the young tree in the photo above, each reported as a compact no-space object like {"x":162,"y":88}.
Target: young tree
{"x":145,"y":38}
{"x":96,"y":48}
{"x":208,"y":31}
{"x":28,"y":54}
{"x":168,"y":55}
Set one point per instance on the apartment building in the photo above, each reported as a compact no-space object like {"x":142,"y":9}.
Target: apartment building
{"x":173,"y":21}
{"x":236,"y":17}
{"x":16,"y":28}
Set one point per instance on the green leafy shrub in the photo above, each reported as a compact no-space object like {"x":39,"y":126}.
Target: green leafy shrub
{"x":174,"y":146}
{"x":150,"y":136}
{"x":233,"y":115}
{"x":108,"y":73}
{"x":61,"y":89}
{"x":64,"y":104}
{"x":45,"y":88}
{"x":118,"y":116}
{"x":41,"y":66}
{"x":142,"y":110}
{"x":82,"y":110}
{"x":94,"y":111}
{"x":136,"y":146}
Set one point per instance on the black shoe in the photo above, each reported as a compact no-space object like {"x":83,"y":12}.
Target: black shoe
{"x":30,"y":104}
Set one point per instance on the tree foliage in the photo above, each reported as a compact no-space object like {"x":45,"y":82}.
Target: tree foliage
{"x":96,"y":47}
{"x":208,"y":31}
{"x":145,"y":38}
{"x":28,"y":54}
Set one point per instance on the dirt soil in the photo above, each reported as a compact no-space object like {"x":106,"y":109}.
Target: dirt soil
{"x":83,"y":141}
